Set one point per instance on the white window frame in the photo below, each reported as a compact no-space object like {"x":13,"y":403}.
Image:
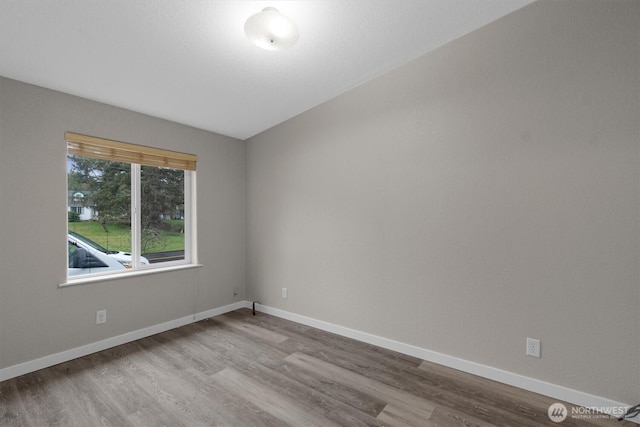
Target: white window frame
{"x":190,"y":243}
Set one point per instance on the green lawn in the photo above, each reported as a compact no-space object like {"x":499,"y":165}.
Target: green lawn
{"x":119,"y":239}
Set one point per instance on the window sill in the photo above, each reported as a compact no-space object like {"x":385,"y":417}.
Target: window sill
{"x":120,"y":276}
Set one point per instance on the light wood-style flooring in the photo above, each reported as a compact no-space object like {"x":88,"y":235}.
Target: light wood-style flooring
{"x":243,"y":370}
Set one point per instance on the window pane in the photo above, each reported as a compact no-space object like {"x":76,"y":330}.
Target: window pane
{"x":162,"y":214}
{"x":99,"y":214}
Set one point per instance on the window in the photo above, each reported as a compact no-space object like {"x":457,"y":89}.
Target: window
{"x":130,"y":207}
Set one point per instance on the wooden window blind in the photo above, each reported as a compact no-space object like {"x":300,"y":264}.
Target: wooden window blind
{"x":106,"y":149}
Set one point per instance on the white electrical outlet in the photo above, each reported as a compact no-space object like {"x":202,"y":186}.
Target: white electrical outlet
{"x":284,"y":293}
{"x":533,"y":347}
{"x":101,"y":317}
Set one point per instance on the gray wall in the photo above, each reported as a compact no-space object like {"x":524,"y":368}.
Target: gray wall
{"x":36,"y":317}
{"x":484,"y":193}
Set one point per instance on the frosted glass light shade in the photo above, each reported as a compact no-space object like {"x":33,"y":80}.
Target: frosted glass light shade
{"x":271,"y":30}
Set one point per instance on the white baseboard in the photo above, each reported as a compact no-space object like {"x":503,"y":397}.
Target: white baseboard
{"x":530,"y":384}
{"x":74,"y":353}
{"x":221,"y":310}
{"x":541,"y":387}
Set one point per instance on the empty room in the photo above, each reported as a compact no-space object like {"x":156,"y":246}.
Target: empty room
{"x":320,"y":213}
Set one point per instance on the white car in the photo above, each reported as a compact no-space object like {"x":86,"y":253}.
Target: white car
{"x":95,"y":257}
{"x":86,"y":260}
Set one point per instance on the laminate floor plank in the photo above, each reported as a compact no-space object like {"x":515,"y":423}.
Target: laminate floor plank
{"x":233,"y":349}
{"x":404,"y":378}
{"x":110,"y":375}
{"x":255,"y":331}
{"x":80,"y":400}
{"x":445,"y":417}
{"x":243,"y":370}
{"x":432,"y":387}
{"x":327,"y":403}
{"x":180,"y":393}
{"x":350,"y":396}
{"x":289,"y":411}
{"x":417,"y":408}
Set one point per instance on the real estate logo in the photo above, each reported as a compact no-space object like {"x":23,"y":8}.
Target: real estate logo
{"x":557,"y":412}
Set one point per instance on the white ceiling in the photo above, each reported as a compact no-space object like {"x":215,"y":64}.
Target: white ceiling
{"x":189,"y":61}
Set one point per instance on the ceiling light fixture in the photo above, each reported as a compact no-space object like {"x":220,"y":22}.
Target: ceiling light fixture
{"x":271,"y":30}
